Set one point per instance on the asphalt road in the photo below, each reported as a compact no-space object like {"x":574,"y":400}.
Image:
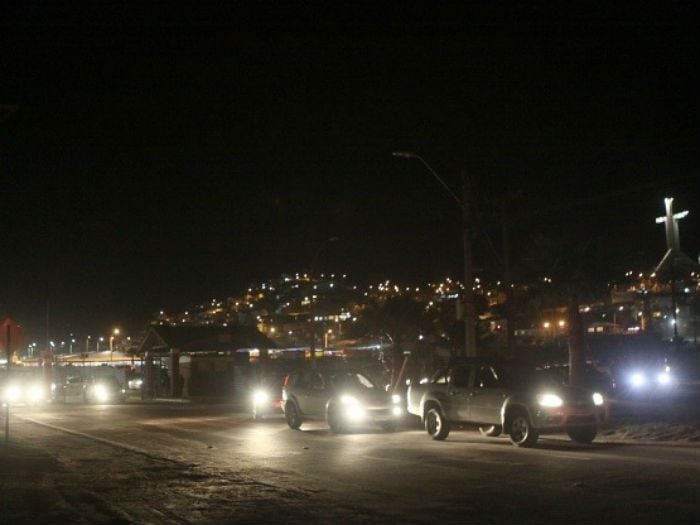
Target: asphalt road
{"x":184,"y":463}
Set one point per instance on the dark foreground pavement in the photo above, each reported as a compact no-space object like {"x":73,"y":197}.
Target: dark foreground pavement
{"x":205,"y":464}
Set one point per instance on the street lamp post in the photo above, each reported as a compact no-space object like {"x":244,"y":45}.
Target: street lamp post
{"x":115,"y":333}
{"x":87,"y":344}
{"x":468,"y":293}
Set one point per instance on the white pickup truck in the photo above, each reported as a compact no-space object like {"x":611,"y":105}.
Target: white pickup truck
{"x":500,"y":396}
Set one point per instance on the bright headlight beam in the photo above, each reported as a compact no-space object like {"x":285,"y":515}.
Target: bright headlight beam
{"x":638,"y":379}
{"x":550,"y":400}
{"x":349,"y":400}
{"x":101,"y":393}
{"x":35,"y":393}
{"x":597,"y":399}
{"x":13,"y":394}
{"x":396,"y":399}
{"x":260,"y":397}
{"x":664,"y":378}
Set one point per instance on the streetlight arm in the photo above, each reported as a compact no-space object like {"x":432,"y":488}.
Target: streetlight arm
{"x":411,"y":155}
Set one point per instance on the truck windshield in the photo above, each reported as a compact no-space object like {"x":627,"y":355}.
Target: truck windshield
{"x":523,"y":375}
{"x":351,"y":380}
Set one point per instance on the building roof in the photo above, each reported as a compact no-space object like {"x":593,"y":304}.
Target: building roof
{"x":204,"y":339}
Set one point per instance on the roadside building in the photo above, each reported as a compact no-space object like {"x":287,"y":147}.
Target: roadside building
{"x":198,"y":361}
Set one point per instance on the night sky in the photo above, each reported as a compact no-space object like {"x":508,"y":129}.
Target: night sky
{"x":163,"y":158}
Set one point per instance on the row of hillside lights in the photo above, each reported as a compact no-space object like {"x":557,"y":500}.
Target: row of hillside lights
{"x":550,"y":400}
{"x":354,"y":411}
{"x":639,"y":379}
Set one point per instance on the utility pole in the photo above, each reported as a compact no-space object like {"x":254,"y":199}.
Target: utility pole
{"x":468,"y":293}
{"x":8,"y":353}
{"x":508,"y":279}
{"x":469,"y":349}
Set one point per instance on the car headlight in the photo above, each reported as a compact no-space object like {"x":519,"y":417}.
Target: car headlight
{"x":396,"y":411}
{"x":35,"y":393}
{"x":101,"y":393}
{"x":352,"y":408}
{"x":349,"y":400}
{"x":664,"y":378}
{"x":13,"y":394}
{"x":597,"y":399}
{"x":638,"y":379}
{"x":396,"y":399}
{"x":260,"y":397}
{"x":550,"y":400}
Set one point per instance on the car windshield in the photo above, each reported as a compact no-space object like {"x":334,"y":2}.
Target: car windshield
{"x":514,"y":375}
{"x":351,"y":380}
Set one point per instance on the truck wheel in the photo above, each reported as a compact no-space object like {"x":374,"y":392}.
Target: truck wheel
{"x":490,"y":430}
{"x":436,"y":425}
{"x":582,"y":434}
{"x":291,"y":414}
{"x":521,"y":432}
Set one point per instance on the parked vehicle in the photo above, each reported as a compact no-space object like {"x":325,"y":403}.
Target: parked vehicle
{"x":503,"y":397}
{"x":344,"y":398}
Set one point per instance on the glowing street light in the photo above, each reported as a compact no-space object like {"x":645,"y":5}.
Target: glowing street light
{"x":115,"y":333}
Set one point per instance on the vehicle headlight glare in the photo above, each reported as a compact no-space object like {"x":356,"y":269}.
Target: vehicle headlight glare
{"x":638,"y":379}
{"x":597,"y":399}
{"x":397,"y":411}
{"x":664,"y":378}
{"x":354,"y":412}
{"x":13,"y":394}
{"x":550,"y":400}
{"x":349,"y":400}
{"x":35,"y":393}
{"x":260,"y":397}
{"x":396,"y":399}
{"x":101,"y":393}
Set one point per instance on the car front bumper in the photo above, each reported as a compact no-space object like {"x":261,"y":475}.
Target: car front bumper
{"x":552,"y":419}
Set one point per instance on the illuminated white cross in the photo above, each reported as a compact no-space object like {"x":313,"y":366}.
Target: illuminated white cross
{"x":671,"y":224}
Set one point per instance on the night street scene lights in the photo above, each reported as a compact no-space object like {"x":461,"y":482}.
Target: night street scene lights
{"x":467,"y":293}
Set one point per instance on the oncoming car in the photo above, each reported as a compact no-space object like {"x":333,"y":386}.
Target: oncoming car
{"x":266,"y":396}
{"x":104,"y":390}
{"x":90,"y":390}
{"x":345,"y":399}
{"x":24,"y":393}
{"x":505,"y":397}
